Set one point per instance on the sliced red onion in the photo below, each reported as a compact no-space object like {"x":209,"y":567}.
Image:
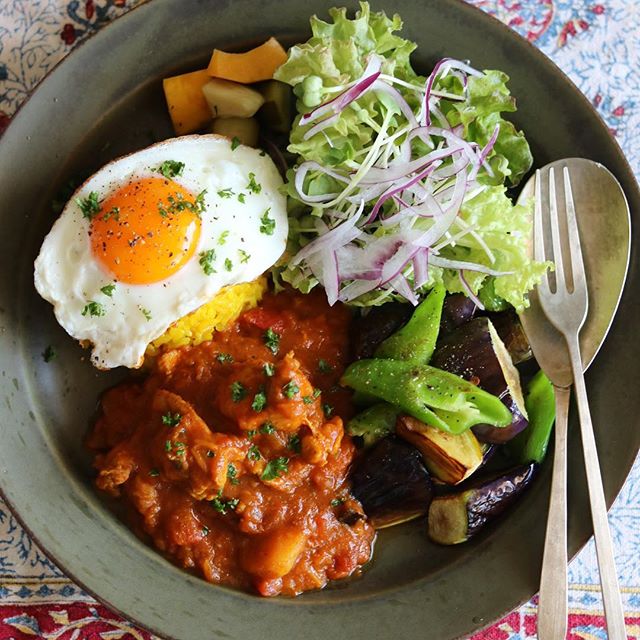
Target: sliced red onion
{"x":321,"y":126}
{"x":400,"y":170}
{"x":396,"y":96}
{"x":330,"y":276}
{"x":331,"y":239}
{"x":398,"y":188}
{"x":421,"y":268}
{"x":484,"y":154}
{"x":469,"y":292}
{"x":356,"y":289}
{"x":301,"y":174}
{"x":337,"y":104}
{"x":402,"y":287}
{"x":461,"y":66}
{"x":445,"y":263}
{"x":426,"y":116}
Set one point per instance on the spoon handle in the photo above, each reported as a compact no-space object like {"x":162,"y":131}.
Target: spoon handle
{"x":552,"y":606}
{"x":611,"y":598}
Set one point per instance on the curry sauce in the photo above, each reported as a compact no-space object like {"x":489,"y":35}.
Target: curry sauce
{"x":233,"y":456}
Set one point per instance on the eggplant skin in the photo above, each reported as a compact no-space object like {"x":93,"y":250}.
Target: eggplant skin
{"x":391,"y":483}
{"x":457,"y":517}
{"x":456,"y":310}
{"x":492,"y":435}
{"x":369,"y":331}
{"x":512,"y":333}
{"x":475,"y":352}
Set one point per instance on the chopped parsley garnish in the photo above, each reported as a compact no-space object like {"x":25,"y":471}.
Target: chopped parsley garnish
{"x":108,"y":289}
{"x":336,"y":502}
{"x":253,"y":186}
{"x":267,"y":428}
{"x":221,"y":505}
{"x":272,"y":340}
{"x":170,"y":168}
{"x":205,"y":531}
{"x":48,"y":354}
{"x":254,"y":453}
{"x":327,"y":408}
{"x":113,"y":213}
{"x":167,"y":445}
{"x":90,"y":206}
{"x":232,"y":474}
{"x":200,"y":203}
{"x":146,"y":313}
{"x":210,"y":454}
{"x":238,"y":392}
{"x":225,"y":193}
{"x":171,"y":419}
{"x":206,"y":261}
{"x":224,"y":358}
{"x":154,"y":473}
{"x":275,"y":468}
{"x":251,"y":433}
{"x":267,"y":224}
{"x":177,"y":204}
{"x":290,"y":389}
{"x":244,"y":256}
{"x":269,"y":369}
{"x":235,"y":143}
{"x":259,"y":401}
{"x":324,"y":366}
{"x":242,"y":198}
{"x":223,"y":237}
{"x":311,"y":398}
{"x":228,"y":264}
{"x":294,"y":443}
{"x":94,"y":309}
{"x":179,"y":448}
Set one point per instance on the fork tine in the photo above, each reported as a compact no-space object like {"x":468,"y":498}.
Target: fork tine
{"x":577,"y":264}
{"x":555,"y":233}
{"x":538,"y":232}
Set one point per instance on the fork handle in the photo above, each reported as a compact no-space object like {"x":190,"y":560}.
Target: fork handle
{"x":552,"y":605}
{"x":611,"y":598}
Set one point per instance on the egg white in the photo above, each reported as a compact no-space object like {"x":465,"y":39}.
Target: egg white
{"x":68,"y":275}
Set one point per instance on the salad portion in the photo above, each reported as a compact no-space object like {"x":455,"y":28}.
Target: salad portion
{"x":400,"y":180}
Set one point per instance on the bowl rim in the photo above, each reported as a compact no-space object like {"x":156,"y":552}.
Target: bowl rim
{"x":480,"y":16}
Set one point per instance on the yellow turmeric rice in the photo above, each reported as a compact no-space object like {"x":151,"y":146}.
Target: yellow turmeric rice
{"x":215,"y":315}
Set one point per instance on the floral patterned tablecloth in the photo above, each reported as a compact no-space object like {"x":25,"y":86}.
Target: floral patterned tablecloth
{"x":597,"y":43}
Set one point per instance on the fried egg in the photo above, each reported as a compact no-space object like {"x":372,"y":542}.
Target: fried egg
{"x":154,"y":235}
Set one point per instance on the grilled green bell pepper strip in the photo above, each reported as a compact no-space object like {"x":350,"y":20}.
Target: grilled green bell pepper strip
{"x":540,"y":403}
{"x":431,"y":395}
{"x":374,"y":423}
{"x":416,"y":341}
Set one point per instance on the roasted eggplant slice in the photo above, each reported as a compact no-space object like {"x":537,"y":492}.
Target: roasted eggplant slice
{"x":512,"y":334}
{"x":475,"y":352}
{"x":370,"y":330}
{"x":450,"y":458}
{"x":456,"y":517}
{"x":392,"y":483}
{"x":456,"y":310}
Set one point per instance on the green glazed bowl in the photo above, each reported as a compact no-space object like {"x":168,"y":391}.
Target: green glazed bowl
{"x":104,"y":100}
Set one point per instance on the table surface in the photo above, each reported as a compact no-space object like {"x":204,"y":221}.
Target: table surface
{"x":597,"y":43}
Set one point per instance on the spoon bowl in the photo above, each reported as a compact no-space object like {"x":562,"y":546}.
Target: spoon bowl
{"x":604,"y":223}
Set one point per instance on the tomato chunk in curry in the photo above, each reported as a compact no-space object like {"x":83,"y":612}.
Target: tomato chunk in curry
{"x":232,"y":455}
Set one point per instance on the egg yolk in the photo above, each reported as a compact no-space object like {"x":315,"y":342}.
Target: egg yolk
{"x":146,"y":230}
